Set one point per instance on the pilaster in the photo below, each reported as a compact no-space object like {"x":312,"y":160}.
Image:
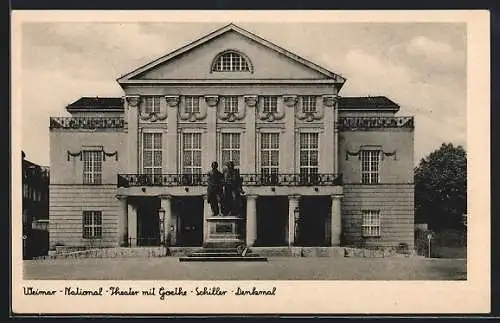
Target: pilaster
{"x":250,"y":150}
{"x":210,"y":149}
{"x":287,"y":149}
{"x":132,"y":106}
{"x":171,"y":140}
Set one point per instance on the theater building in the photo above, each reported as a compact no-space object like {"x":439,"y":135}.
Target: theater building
{"x":318,"y":169}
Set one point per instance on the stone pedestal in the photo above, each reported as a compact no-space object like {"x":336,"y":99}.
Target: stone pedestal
{"x":224,"y":231}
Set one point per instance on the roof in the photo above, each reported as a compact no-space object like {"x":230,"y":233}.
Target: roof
{"x":377,"y":103}
{"x":339,"y":80}
{"x":357,"y":103}
{"x":96,"y":103}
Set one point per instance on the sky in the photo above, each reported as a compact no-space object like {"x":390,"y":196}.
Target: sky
{"x":420,"y":66}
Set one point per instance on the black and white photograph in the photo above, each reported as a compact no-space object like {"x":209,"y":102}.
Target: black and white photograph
{"x":244,"y":150}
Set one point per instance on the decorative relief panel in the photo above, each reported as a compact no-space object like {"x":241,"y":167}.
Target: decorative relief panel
{"x":270,"y":115}
{"x":192,"y":110}
{"x":373,"y":148}
{"x":104,"y":154}
{"x":367,"y":123}
{"x":153,"y":116}
{"x":308,"y":114}
{"x":230,"y":115}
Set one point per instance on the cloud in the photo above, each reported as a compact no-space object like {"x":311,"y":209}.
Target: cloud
{"x":439,"y":107}
{"x":430,"y":58}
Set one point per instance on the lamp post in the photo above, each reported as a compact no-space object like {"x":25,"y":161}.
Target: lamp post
{"x":429,"y":238}
{"x":161,"y":214}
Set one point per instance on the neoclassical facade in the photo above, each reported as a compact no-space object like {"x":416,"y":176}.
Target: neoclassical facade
{"x":318,"y":169}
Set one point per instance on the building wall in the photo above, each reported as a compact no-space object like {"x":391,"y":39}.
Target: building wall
{"x":396,"y":205}
{"x":249,"y":127}
{"x":197,"y":64}
{"x":70,"y":172}
{"x":69,"y":197}
{"x":393,"y":169}
{"x":67,"y":203}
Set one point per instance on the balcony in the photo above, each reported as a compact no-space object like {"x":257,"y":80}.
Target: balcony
{"x":86,"y":123}
{"x":172,"y":180}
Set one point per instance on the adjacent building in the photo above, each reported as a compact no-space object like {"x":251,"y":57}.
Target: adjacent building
{"x":35,"y":187}
{"x":318,"y":169}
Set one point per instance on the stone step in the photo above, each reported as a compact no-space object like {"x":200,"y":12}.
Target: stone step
{"x":215,"y":254}
{"x":215,"y":259}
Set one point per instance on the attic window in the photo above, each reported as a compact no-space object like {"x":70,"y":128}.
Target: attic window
{"x":231,"y":61}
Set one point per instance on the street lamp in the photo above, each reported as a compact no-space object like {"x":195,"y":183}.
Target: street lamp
{"x":429,"y":238}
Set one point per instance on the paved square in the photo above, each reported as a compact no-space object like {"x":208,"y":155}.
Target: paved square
{"x":278,"y":268}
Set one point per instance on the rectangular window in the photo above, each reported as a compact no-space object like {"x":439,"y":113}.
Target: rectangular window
{"x":152,"y":153}
{"x":308,"y":104}
{"x":230,"y":148}
{"x":309,"y":151}
{"x":269,"y":157}
{"x":152,"y":104}
{"x":192,"y":104}
{"x":270,"y":104}
{"x":92,"y":166}
{"x":370,"y":166}
{"x":192,"y":157}
{"x":371,"y":223}
{"x":231,"y":104}
{"x":92,"y":224}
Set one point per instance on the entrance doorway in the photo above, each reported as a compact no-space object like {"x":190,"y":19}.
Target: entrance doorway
{"x":189,"y":220}
{"x":148,"y":222}
{"x":272,"y":220}
{"x":314,"y":213}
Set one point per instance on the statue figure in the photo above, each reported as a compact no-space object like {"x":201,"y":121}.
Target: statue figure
{"x":232,"y":190}
{"x":214,"y":188}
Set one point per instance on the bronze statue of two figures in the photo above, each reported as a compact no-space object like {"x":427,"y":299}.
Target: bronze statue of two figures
{"x":224,"y":190}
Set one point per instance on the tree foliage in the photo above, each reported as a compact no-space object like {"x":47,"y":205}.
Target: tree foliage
{"x":441,"y":188}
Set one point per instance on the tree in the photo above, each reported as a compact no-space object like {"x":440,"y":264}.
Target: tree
{"x":441,"y":188}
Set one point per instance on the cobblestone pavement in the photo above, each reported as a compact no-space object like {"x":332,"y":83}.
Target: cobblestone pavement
{"x":279,"y":268}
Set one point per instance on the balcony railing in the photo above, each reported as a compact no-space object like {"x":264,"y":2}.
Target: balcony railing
{"x":131,"y":180}
{"x":86,"y":123}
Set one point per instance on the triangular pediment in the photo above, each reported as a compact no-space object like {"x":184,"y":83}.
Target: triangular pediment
{"x":194,"y":62}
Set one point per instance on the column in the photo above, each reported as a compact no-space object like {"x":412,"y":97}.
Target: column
{"x":293,"y":205}
{"x":249,"y":154}
{"x":123,"y":222}
{"x":133,"y":102}
{"x":171,"y":140}
{"x":132,"y":225}
{"x":210,"y":151}
{"x":165,"y":205}
{"x":251,"y":226}
{"x":336,"y":220}
{"x":207,"y":212}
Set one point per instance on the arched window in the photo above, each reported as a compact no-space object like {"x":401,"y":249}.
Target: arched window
{"x":231,"y":61}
